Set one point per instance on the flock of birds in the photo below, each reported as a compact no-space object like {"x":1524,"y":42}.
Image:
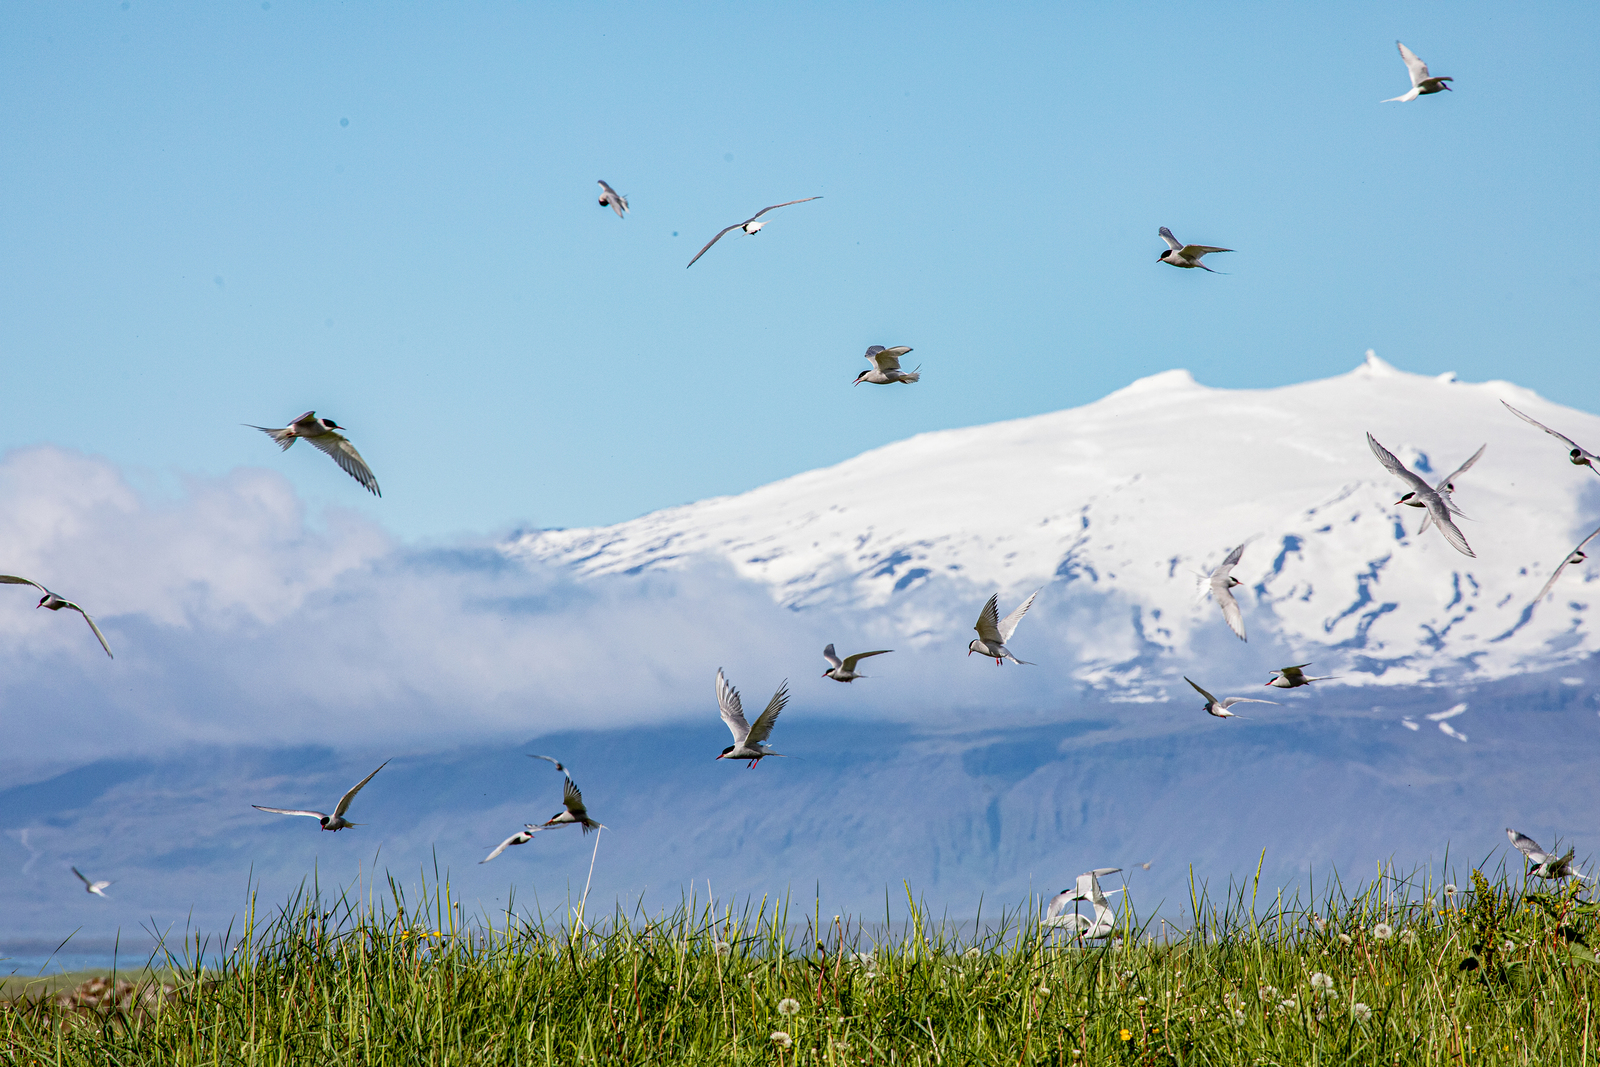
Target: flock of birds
{"x":994,"y":633}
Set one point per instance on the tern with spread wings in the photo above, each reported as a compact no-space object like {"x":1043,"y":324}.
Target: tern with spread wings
{"x":993,"y":632}
{"x":521,"y":837}
{"x":573,"y":812}
{"x":1543,"y":864}
{"x":325,"y":435}
{"x":1577,"y":555}
{"x":1294,"y":677}
{"x":97,"y":888}
{"x":56,"y":603}
{"x":614,"y":200}
{"x":749,"y":742}
{"x":1221,"y":582}
{"x":1422,"y":83}
{"x":1444,"y":489}
{"x":844,"y":670}
{"x":1439,"y":507}
{"x":1087,"y":888}
{"x":1576,"y":453}
{"x":751,"y":226}
{"x":1188,"y":257}
{"x":336,"y":821}
{"x":1219,"y":708}
{"x":885,"y":368}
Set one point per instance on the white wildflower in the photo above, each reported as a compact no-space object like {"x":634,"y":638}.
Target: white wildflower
{"x":1238,"y":1017}
{"x":1383,"y":931}
{"x":1267,"y":992}
{"x":1361,"y":1012}
{"x":1509,"y":946}
{"x":781,"y":1039}
{"x":1127,"y":974}
{"x":1287,"y":1005}
{"x":788,"y":1006}
{"x":1322,"y":981}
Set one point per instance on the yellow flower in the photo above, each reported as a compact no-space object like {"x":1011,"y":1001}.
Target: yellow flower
{"x":1126,"y":1035}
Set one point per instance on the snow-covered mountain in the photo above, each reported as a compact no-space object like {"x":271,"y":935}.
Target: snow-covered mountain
{"x":1117,"y":505}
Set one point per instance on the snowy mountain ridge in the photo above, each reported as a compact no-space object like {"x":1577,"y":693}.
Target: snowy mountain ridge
{"x":1116,"y":507}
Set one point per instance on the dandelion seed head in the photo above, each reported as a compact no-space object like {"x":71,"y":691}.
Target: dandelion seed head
{"x":1345,"y":938}
{"x":1322,"y":981}
{"x":1044,"y":991}
{"x":1362,"y":1012}
{"x":1509,"y":946}
{"x":788,"y":1006}
{"x":974,"y":952}
{"x":781,"y":1039}
{"x":1408,"y":937}
{"x":1238,"y":1017}
{"x":1383,"y":931}
{"x":1450,"y":890}
{"x":1287,"y":1005}
{"x":724,"y":949}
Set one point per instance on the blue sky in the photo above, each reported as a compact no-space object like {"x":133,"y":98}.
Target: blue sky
{"x":198,"y":241}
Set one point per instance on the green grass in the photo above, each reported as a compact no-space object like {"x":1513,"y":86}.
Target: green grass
{"x":1500,"y":976}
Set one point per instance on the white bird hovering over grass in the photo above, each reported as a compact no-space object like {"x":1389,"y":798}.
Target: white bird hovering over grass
{"x":845,"y":670}
{"x":521,"y":837}
{"x":1188,"y":257}
{"x":1422,"y":83}
{"x":336,"y":821}
{"x":56,"y":603}
{"x":1087,"y":888}
{"x":1444,"y":489}
{"x":1219,"y":708}
{"x":993,"y":633}
{"x":885,"y":368}
{"x":1439,"y":507}
{"x":1576,"y":453}
{"x":749,"y":742}
{"x":97,"y":888}
{"x":609,"y":197}
{"x":1575,"y":556}
{"x":1221,"y":582}
{"x":749,"y":225}
{"x":324,"y":434}
{"x":1293,"y":677}
{"x":573,"y":810}
{"x":1544,"y":864}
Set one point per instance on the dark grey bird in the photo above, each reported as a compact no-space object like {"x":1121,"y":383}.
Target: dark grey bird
{"x":844,"y":670}
{"x":572,"y":811}
{"x":751,"y":226}
{"x":324,"y":434}
{"x":336,"y":821}
{"x":1422,"y":83}
{"x":1576,"y":453}
{"x":1221,"y":582}
{"x":1439,"y":507}
{"x":609,"y":197}
{"x":56,"y":603}
{"x":749,"y":742}
{"x":1219,"y":708}
{"x":885,"y":369}
{"x":1444,"y":488}
{"x":1188,"y":257}
{"x":1575,"y":556}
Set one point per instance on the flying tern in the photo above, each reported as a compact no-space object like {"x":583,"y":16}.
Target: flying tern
{"x":1422,"y":83}
{"x":56,"y":603}
{"x":993,"y":633}
{"x":1219,"y":708}
{"x":521,"y":837}
{"x":1222,"y":582}
{"x":844,"y":670}
{"x":1087,"y":888}
{"x":1543,"y":864}
{"x":97,"y":888}
{"x":1293,"y":677}
{"x":1576,"y":453}
{"x":572,"y":810}
{"x":324,"y":434}
{"x":885,"y":368}
{"x":1188,"y":257}
{"x":749,"y":742}
{"x":1575,"y":556}
{"x":609,"y":197}
{"x":749,"y":225}
{"x":336,"y":821}
{"x":1444,"y":489}
{"x":1439,"y":507}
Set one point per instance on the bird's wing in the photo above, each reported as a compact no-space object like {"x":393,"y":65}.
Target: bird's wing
{"x":92,"y":626}
{"x":1101,"y":872}
{"x":81,"y":878}
{"x":291,"y":811}
{"x":763,"y":727}
{"x":550,"y":759}
{"x":1569,"y":442}
{"x":1525,"y":844}
{"x":572,"y":799}
{"x":713,"y":241}
{"x":1008,"y":626}
{"x":1231,"y":701}
{"x":774,"y":207}
{"x":1393,"y":465}
{"x":345,"y":455}
{"x":1439,"y":511}
{"x":521,"y":837}
{"x":1459,"y":471}
{"x":888,"y":358}
{"x":1404,"y":98}
{"x":1191,"y":251}
{"x":1202,"y":692}
{"x":1418,"y":69}
{"x":1226,"y":566}
{"x":832,"y":657}
{"x":732,"y":710}
{"x":1172,"y":242}
{"x":851,"y":661}
{"x":988,"y":624}
{"x":1564,"y":564}
{"x":12,"y":579}
{"x":344,"y":801}
{"x":95,"y":887}
{"x":1059,"y":902}
{"x":1231,"y":614}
